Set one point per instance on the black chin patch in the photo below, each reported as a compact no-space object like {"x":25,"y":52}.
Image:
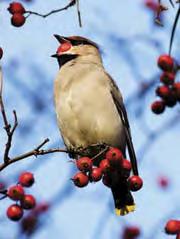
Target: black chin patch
{"x":63,"y":59}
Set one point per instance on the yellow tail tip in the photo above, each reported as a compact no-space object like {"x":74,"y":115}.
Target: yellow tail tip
{"x":125,"y":210}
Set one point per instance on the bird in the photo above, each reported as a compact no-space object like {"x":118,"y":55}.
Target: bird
{"x":90,"y":109}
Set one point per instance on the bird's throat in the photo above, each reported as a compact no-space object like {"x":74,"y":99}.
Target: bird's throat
{"x":63,"y":59}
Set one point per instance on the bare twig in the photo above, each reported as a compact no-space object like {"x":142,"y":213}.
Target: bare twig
{"x":35,"y":152}
{"x":72,"y":3}
{"x":1,"y":81}
{"x":174,"y":29}
{"x":101,"y":152}
{"x":7,"y":126}
{"x":10,"y":133}
{"x":79,"y":13}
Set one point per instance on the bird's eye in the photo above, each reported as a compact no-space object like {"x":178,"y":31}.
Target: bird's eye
{"x":64,"y":47}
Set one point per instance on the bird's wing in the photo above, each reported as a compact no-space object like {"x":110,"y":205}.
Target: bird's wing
{"x":123,"y":115}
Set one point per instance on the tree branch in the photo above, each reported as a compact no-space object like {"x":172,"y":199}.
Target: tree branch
{"x":72,"y":3}
{"x":35,"y":152}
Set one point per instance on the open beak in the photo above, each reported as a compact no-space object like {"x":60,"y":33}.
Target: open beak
{"x":61,"y":39}
{"x":55,"y":55}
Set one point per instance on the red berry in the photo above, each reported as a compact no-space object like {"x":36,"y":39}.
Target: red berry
{"x":84,"y":164}
{"x":176,"y":90}
{"x":26,"y":179}
{"x":163,"y":182}
{"x":16,"y":7}
{"x":96,"y":174}
{"x":114,"y":156}
{"x":106,"y":180}
{"x":80,"y":179}
{"x":163,"y":91}
{"x":104,"y":166}
{"x":151,"y":4}
{"x":14,"y":212}
{"x":18,"y":20}
{"x":178,"y":236}
{"x":126,"y":167}
{"x":158,"y":107}
{"x":28,"y":201}
{"x":171,"y":100}
{"x":167,"y":78}
{"x":1,"y":53}
{"x":2,"y":186}
{"x":131,"y":232}
{"x":172,"y":227}
{"x":135,"y":183}
{"x":16,"y":192}
{"x":166,"y":62}
{"x":28,"y":224}
{"x":41,"y":208}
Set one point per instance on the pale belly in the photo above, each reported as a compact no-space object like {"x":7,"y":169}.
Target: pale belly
{"x":87,"y":115}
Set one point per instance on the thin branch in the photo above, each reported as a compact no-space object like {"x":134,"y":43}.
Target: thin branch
{"x":72,"y":3}
{"x":174,"y":29}
{"x":79,"y":13}
{"x":1,"y":82}
{"x":35,"y":152}
{"x":10,"y":135}
{"x":7,"y":126}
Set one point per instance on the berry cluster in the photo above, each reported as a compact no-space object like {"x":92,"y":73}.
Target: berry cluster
{"x":114,"y":162}
{"x":173,"y":228}
{"x":169,"y":91}
{"x":17,"y":10}
{"x":17,"y":193}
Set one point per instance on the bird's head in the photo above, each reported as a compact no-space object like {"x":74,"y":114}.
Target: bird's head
{"x":75,"y":47}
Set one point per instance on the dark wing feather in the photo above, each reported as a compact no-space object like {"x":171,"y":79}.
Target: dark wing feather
{"x":123,"y":115}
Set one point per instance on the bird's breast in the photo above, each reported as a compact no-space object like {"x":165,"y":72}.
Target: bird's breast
{"x":85,"y":110}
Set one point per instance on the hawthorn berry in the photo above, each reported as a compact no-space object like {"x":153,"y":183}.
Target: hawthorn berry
{"x":151,"y":4}
{"x":131,"y":232}
{"x":28,"y":224}
{"x":126,"y":166}
{"x":158,"y":107}
{"x":26,"y":179}
{"x":18,"y":20}
{"x":163,"y":182}
{"x":15,"y":192}
{"x":16,"y":7}
{"x":80,"y":179}
{"x":104,"y":166}
{"x":171,"y":100}
{"x":166,"y":63}
{"x":14,"y":212}
{"x":41,"y":208}
{"x":176,"y":90}
{"x":163,"y":91}
{"x":178,"y":236}
{"x":135,"y":183}
{"x":28,"y":201}
{"x":96,"y":174}
{"x":172,"y":227}
{"x":84,"y":164}
{"x":114,"y":156}
{"x":167,"y":78}
{"x":1,"y":53}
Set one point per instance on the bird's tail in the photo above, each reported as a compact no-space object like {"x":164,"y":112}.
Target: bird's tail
{"x":123,"y":200}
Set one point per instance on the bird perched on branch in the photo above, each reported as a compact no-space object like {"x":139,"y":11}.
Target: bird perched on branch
{"x":90,"y":109}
